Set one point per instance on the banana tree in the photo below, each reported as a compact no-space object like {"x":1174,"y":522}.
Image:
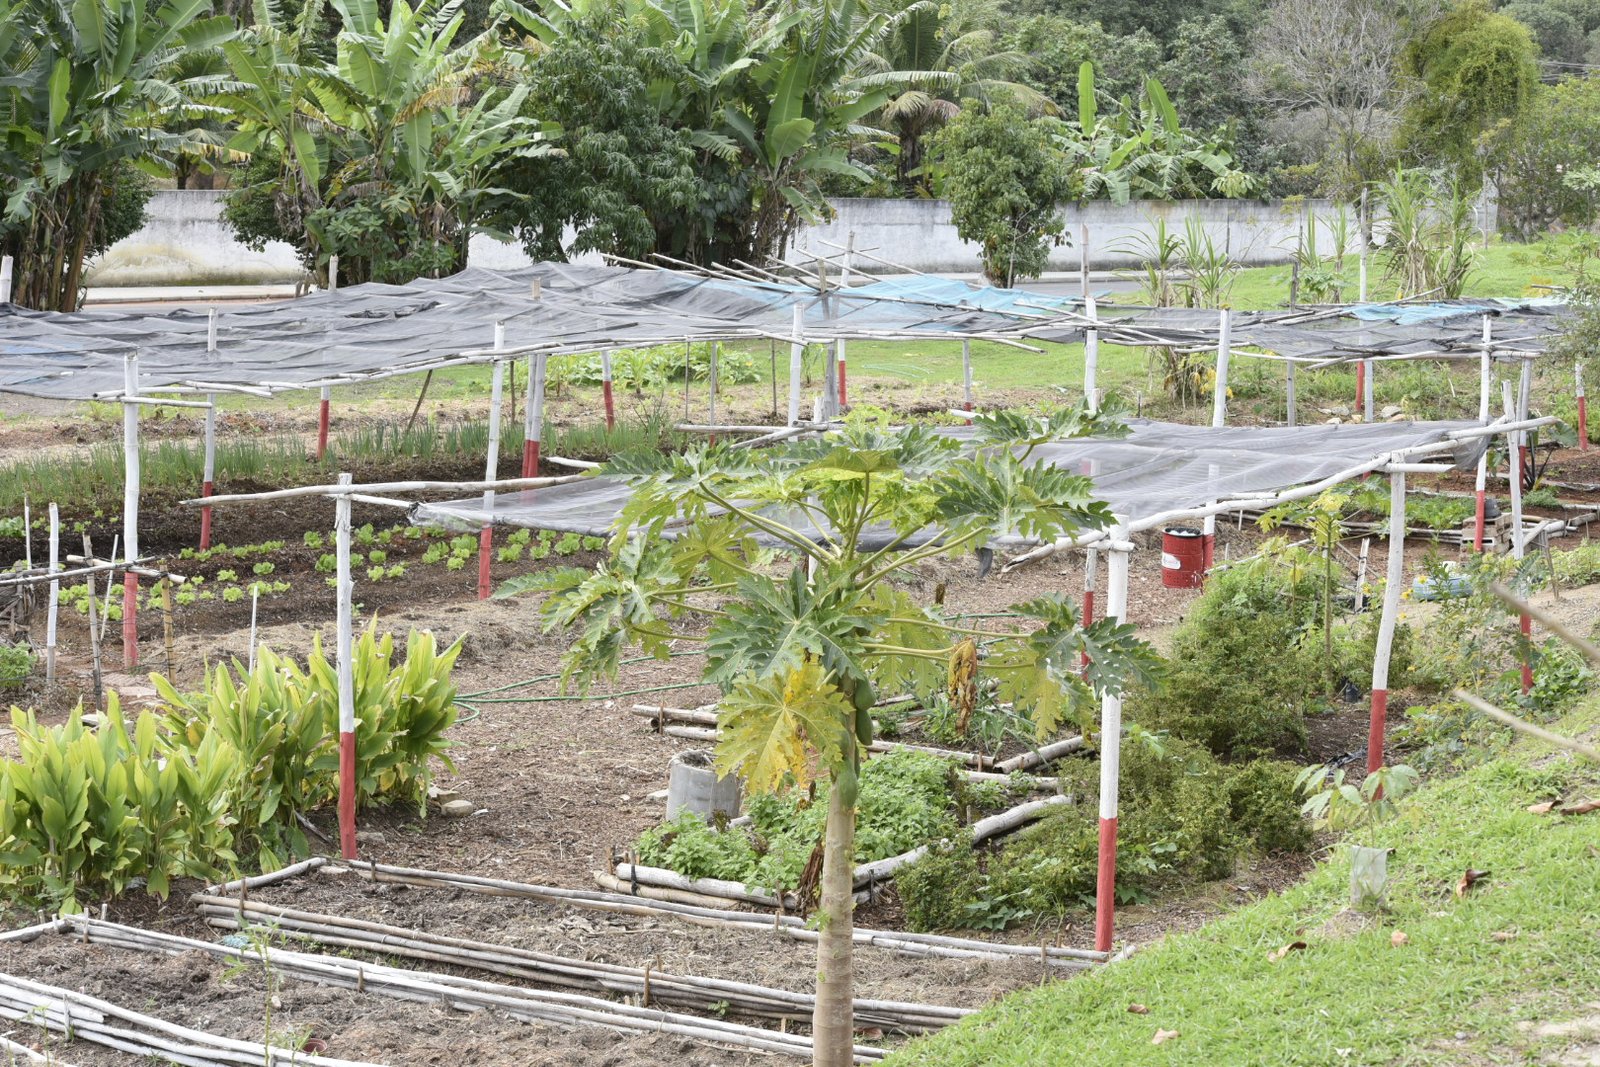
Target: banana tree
{"x":791,"y":555}
{"x":86,"y":86}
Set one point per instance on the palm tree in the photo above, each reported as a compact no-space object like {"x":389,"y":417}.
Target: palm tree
{"x":950,"y":53}
{"x":86,"y":86}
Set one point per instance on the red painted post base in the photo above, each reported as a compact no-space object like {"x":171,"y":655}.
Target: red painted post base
{"x":1088,"y":617}
{"x":530,"y":459}
{"x":485,"y":546}
{"x":1527,"y":664}
{"x":611,"y":407}
{"x":1105,"y":886}
{"x":347,"y":795}
{"x":1478,"y":523}
{"x":1361,"y":388}
{"x":322,"y":429}
{"x":1583,"y":424}
{"x":130,"y":619}
{"x":205,"y":518}
{"x":1375,"y":728}
{"x":844,"y":391}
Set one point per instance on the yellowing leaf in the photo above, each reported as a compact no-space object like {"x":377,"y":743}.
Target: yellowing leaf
{"x":773,"y":727}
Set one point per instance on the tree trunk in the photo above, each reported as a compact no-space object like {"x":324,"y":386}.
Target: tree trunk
{"x":832,"y":1020}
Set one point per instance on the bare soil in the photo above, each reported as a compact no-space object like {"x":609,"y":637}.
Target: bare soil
{"x":557,"y":783}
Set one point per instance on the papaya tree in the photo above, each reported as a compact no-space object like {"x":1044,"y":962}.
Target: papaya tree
{"x":785,"y":566}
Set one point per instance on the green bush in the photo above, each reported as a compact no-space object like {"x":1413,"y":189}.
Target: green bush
{"x":16,"y":663}
{"x":1184,"y":818}
{"x":1244,"y":669}
{"x":688,"y":845}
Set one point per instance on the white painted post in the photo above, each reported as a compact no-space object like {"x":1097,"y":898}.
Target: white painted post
{"x":491,"y":466}
{"x":1091,"y":358}
{"x":1083,"y":261}
{"x":1481,"y":484}
{"x":130,"y":510}
{"x":255,"y":602}
{"x":1362,"y":222}
{"x":6,"y":268}
{"x":1386,"y":622}
{"x":27,"y":533}
{"x":711,"y":389}
{"x":208,"y":476}
{"x":346,"y":672}
{"x":55,"y":595}
{"x":1516,"y":439}
{"x":797,"y":352}
{"x":535,"y":412}
{"x":1091,"y":565}
{"x":1366,"y":397}
{"x":333,"y":272}
{"x":1219,"y":392}
{"x":1583,"y":409}
{"x":1110,"y":754}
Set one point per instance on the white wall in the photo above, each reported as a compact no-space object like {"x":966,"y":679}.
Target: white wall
{"x":185,"y":242}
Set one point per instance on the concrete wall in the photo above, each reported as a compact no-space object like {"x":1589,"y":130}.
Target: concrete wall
{"x":919,"y":234}
{"x":185,"y":242}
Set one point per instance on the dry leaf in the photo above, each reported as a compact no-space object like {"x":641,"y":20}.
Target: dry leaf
{"x":1277,"y":954}
{"x":1398,"y":938}
{"x":1469,"y":879}
{"x":1541,"y":808}
{"x":1163,"y":1036}
{"x":1582,"y":807}
{"x":1138,"y":1009}
{"x":1503,"y":935}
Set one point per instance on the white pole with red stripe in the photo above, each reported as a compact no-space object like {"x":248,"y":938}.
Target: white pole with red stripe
{"x":130,"y":509}
{"x":1583,"y":411}
{"x":1515,"y":440}
{"x":55,"y":593}
{"x":535,"y":415}
{"x":344,"y":593}
{"x":797,"y":355}
{"x":1105,"y":897}
{"x":1219,"y":419}
{"x":1091,"y":565}
{"x":208,"y":476}
{"x":1091,"y":358}
{"x":491,"y":466}
{"x":1482,"y":483}
{"x":844,"y":388}
{"x":1366,"y":400}
{"x":605,"y":388}
{"x":1388,"y":619}
{"x":324,"y":408}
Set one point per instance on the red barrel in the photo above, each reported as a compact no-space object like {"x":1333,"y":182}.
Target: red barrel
{"x":1183,"y":558}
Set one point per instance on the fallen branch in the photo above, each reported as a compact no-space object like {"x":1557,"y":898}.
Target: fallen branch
{"x":1525,"y":727}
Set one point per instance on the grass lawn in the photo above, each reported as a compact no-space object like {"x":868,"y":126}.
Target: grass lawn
{"x":1472,"y":979}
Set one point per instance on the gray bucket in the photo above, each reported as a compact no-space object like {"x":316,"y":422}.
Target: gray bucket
{"x":693,"y":785}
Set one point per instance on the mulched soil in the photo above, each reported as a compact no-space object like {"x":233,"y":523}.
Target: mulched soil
{"x":557,"y":784}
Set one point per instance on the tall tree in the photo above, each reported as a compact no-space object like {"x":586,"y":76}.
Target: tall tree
{"x":1533,"y":158}
{"x":87,"y":89}
{"x":1476,"y":67}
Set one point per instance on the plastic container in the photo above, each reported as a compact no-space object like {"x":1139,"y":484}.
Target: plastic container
{"x":1183,"y":558}
{"x":693,"y":785}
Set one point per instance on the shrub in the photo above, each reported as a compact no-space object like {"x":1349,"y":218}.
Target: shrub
{"x":937,"y":889}
{"x":1262,"y":806}
{"x":16,"y":663}
{"x":1242,"y":673}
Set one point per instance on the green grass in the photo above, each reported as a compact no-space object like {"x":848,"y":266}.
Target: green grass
{"x":1352,"y":996}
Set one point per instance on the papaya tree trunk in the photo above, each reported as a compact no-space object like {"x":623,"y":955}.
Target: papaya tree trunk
{"x":832,"y":1020}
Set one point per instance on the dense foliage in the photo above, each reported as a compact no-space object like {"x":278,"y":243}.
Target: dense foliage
{"x":221,"y":779}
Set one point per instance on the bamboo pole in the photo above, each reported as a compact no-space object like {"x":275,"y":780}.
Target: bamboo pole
{"x":94,"y":627}
{"x":130,"y":513}
{"x":491,"y":465}
{"x":1387,"y":621}
{"x":980,"y":831}
{"x":547,"y":1006}
{"x":797,"y":351}
{"x":1525,"y":727}
{"x":1110,"y":754}
{"x":14,"y":1050}
{"x":345,"y":489}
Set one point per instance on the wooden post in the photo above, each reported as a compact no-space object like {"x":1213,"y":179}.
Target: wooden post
{"x":966,"y":375}
{"x":323,"y":415}
{"x":130,"y":510}
{"x":94,"y":621}
{"x":165,"y":587}
{"x":1091,"y":358}
{"x":497,"y":374}
{"x":605,"y":388}
{"x":27,"y":533}
{"x":1105,"y":897}
{"x":797,"y":354}
{"x":711,"y":388}
{"x":255,"y":601}
{"x":1394,"y":575}
{"x":1482,"y":483}
{"x":347,"y":685}
{"x":55,"y":594}
{"x":1361,"y":386}
{"x":1515,"y":440}
{"x":1583,"y":409}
